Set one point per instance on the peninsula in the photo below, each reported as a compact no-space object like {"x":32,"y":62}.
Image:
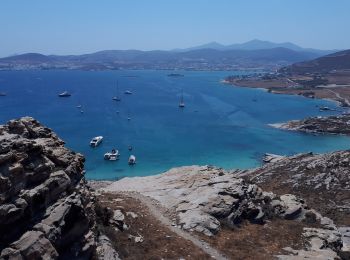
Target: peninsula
{"x":327,"y":77}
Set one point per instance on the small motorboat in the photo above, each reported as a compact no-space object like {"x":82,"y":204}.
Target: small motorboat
{"x":116,"y":98}
{"x":127,"y":92}
{"x":112,"y":156}
{"x":79,"y":106}
{"x":129,"y":147}
{"x":2,"y":94}
{"x":324,"y":109}
{"x":96,"y":141}
{"x":132,"y":160}
{"x":64,"y":94}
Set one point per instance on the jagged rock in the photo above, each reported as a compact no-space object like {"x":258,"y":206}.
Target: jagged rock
{"x":323,"y":254}
{"x":345,"y":234}
{"x":293,"y":206}
{"x":118,"y":219}
{"x":105,"y":250}
{"x":323,"y":180}
{"x":45,"y":208}
{"x":32,"y":245}
{"x":199,"y":221}
{"x":323,"y":238}
{"x":322,"y":244}
{"x":118,"y":215}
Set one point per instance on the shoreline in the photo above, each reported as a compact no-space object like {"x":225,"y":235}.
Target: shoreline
{"x":318,"y":93}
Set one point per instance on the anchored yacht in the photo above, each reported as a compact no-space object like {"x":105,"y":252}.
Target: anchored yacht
{"x":96,"y":141}
{"x":112,"y":156}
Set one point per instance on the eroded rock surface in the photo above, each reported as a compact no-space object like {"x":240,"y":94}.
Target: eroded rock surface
{"x":45,"y":207}
{"x":204,"y":196}
{"x":323,"y":180}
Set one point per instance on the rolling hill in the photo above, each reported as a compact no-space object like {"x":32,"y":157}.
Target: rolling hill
{"x":135,"y":59}
{"x":336,"y":61}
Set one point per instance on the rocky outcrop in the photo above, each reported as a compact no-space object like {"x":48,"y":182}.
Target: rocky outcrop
{"x":105,"y":250}
{"x":46,"y":210}
{"x":323,"y":180}
{"x":203,"y":197}
{"x":319,"y":125}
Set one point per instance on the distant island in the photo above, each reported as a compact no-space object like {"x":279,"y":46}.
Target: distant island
{"x":252,"y":55}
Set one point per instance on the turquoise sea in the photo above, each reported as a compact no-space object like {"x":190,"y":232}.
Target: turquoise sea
{"x":220,"y":125}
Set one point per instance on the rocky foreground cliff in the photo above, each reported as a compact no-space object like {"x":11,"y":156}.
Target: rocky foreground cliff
{"x":291,"y":208}
{"x":45,"y":207}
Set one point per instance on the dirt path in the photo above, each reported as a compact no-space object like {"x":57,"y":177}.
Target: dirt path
{"x":345,"y":100}
{"x":158,"y":212}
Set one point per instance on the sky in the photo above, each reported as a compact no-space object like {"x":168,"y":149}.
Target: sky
{"x":85,"y":26}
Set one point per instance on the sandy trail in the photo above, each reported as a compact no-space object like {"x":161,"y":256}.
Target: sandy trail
{"x":159,"y":213}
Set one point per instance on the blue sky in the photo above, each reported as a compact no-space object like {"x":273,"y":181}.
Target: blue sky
{"x":84,"y":26}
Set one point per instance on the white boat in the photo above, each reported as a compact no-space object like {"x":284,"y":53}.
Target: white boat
{"x":132,"y":160}
{"x":64,"y":94}
{"x":182,"y":103}
{"x":96,"y":141}
{"x":127,"y":92}
{"x":112,"y":156}
{"x":117,"y":98}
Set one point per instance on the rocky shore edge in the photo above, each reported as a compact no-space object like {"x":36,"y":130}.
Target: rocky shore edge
{"x":336,"y":125}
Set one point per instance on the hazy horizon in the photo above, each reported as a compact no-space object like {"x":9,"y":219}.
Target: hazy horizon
{"x":78,"y":27}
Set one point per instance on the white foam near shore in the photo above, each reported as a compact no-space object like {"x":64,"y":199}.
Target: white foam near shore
{"x":280,"y":125}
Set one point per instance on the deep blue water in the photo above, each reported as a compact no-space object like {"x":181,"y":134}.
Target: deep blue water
{"x":221,"y":125}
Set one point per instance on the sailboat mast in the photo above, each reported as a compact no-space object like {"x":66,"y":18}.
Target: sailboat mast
{"x":117,"y":88}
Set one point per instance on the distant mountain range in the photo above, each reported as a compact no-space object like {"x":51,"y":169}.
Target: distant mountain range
{"x":257,"y":45}
{"x":213,"y":56}
{"x":325,"y":64}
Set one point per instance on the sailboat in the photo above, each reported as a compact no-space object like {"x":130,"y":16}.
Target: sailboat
{"x":117,"y":98}
{"x":182,"y":103}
